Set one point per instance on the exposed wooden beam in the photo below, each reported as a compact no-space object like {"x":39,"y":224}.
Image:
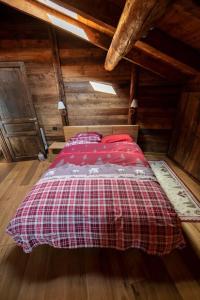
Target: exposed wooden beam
{"x":157,"y":43}
{"x":176,"y":50}
{"x":58,"y":74}
{"x":133,"y":93}
{"x":153,"y":52}
{"x":95,"y":37}
{"x":157,"y":66}
{"x":97,"y":9}
{"x":136,"y":19}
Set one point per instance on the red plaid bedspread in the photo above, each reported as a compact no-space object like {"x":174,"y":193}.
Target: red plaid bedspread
{"x":97,"y":210}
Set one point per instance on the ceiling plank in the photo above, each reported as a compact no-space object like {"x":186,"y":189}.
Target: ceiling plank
{"x":95,"y":37}
{"x":61,"y":21}
{"x":136,"y":18}
{"x":156,"y":43}
{"x":182,"y":21}
{"x":79,"y":15}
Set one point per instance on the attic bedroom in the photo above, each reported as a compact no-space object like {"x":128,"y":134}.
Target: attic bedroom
{"x":99,"y":149}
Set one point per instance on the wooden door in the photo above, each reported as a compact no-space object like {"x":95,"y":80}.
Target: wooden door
{"x":18,"y":122}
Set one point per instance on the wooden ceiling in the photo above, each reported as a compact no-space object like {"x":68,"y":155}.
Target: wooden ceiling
{"x":171,"y":48}
{"x":181,"y":21}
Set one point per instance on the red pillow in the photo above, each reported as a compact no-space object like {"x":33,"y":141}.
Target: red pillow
{"x":117,"y":138}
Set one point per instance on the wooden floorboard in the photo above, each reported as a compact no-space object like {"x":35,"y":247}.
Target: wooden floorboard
{"x":85,"y":274}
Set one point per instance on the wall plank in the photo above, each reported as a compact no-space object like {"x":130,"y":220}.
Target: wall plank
{"x":185,"y":143}
{"x":81,"y":64}
{"x":157,"y":100}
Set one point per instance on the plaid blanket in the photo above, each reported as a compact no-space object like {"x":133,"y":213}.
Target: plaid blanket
{"x":107,"y":205}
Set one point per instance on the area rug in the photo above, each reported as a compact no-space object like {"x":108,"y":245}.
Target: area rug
{"x":185,"y":204}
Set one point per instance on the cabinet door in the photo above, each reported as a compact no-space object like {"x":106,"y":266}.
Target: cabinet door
{"x":18,"y":122}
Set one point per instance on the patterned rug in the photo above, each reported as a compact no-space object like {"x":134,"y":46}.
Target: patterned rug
{"x":185,"y":204}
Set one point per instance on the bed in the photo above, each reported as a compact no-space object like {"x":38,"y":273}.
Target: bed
{"x":98,"y":194}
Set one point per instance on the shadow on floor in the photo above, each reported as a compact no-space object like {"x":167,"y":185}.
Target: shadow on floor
{"x":46,"y":263}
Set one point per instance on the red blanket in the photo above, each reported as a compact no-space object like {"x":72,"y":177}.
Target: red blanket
{"x":113,"y":153}
{"x":98,"y":195}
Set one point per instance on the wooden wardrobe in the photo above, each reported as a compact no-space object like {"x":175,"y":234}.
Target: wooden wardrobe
{"x":185,"y":143}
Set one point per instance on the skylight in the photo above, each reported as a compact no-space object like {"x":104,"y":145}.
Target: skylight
{"x":104,"y":88}
{"x":101,"y":87}
{"x":59,"y":8}
{"x":68,"y":26}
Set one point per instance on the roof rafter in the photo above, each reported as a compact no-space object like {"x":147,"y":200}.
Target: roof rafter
{"x":99,"y":33}
{"x":173,"y":48}
{"x":136,"y":19}
{"x":168,"y":49}
{"x":79,"y":15}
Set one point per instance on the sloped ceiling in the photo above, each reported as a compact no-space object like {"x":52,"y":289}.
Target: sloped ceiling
{"x":172,"y":47}
{"x":181,"y":21}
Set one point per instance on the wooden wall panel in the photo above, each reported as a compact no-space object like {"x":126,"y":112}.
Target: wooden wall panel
{"x":45,"y":98}
{"x":81,"y":64}
{"x":157,"y":99}
{"x":185,"y":143}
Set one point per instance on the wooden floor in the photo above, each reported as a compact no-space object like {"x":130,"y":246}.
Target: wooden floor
{"x":86,"y":274}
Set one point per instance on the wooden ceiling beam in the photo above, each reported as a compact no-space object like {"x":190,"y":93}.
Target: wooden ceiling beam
{"x":136,"y":19}
{"x":157,"y":43}
{"x":97,"y":9}
{"x":157,"y":66}
{"x":97,"y":38}
{"x":171,"y":47}
{"x":153,"y":52}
